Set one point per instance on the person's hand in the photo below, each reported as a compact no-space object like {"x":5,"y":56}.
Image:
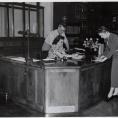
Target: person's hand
{"x":102,"y":58}
{"x":60,"y":55}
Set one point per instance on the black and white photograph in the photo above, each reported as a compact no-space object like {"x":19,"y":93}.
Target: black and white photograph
{"x":58,"y":59}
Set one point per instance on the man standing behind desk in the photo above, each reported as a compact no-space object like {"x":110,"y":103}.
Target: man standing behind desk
{"x":52,"y":35}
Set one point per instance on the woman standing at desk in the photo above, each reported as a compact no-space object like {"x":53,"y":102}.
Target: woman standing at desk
{"x":111,"y":50}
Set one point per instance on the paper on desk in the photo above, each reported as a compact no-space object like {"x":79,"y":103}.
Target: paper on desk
{"x":100,"y":59}
{"x":18,"y":58}
{"x":79,"y":49}
{"x":22,"y":59}
{"x":48,"y":59}
{"x":35,"y":60}
{"x":77,"y":57}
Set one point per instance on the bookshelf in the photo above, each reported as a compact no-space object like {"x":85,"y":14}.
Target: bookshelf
{"x":84,"y":18}
{"x":77,"y":22}
{"x":74,"y":14}
{"x":72,"y":29}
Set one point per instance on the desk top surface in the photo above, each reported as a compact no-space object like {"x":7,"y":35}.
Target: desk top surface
{"x":51,"y":64}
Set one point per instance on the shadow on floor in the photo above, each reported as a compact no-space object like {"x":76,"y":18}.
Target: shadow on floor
{"x":10,"y":109}
{"x":101,"y":109}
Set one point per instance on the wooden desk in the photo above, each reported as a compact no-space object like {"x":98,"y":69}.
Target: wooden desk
{"x":54,"y":88}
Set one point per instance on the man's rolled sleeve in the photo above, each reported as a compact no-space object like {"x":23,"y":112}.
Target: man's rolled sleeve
{"x":49,"y":39}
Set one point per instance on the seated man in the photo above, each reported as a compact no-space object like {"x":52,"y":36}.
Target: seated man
{"x":60,"y":31}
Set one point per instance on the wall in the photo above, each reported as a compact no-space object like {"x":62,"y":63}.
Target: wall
{"x":2,"y":22}
{"x":48,"y":17}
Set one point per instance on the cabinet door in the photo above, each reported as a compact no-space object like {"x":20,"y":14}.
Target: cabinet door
{"x":35,"y":88}
{"x":86,"y":87}
{"x":94,"y":84}
{"x":13,"y":80}
{"x":5,"y":76}
{"x":24,"y":84}
{"x":17,"y":83}
{"x":97,"y":82}
{"x":106,"y":82}
{"x":62,"y":90}
{"x":31,"y":85}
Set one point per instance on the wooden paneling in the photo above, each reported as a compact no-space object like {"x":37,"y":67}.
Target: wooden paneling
{"x":94,"y":84}
{"x":18,"y":46}
{"x":55,"y":88}
{"x":62,"y":90}
{"x":40,"y":89}
{"x":23,"y":83}
{"x":86,"y":87}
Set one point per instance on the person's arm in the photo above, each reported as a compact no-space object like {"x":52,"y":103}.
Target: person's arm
{"x":66,"y":42}
{"x":46,"y":47}
{"x":47,"y":43}
{"x":113,"y":48}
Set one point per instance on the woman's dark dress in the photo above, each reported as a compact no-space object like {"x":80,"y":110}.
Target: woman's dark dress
{"x":111,"y":50}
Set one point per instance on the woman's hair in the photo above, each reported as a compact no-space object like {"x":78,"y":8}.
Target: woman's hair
{"x":103,"y":29}
{"x":57,"y":39}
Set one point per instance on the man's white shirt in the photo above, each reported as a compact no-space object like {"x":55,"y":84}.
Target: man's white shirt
{"x":53,"y":34}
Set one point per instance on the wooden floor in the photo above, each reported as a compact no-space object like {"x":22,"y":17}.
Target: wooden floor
{"x":101,"y":109}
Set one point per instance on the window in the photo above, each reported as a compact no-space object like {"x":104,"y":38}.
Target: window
{"x":15,"y":17}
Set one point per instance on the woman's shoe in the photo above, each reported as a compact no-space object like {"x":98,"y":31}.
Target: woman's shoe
{"x":109,"y":99}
